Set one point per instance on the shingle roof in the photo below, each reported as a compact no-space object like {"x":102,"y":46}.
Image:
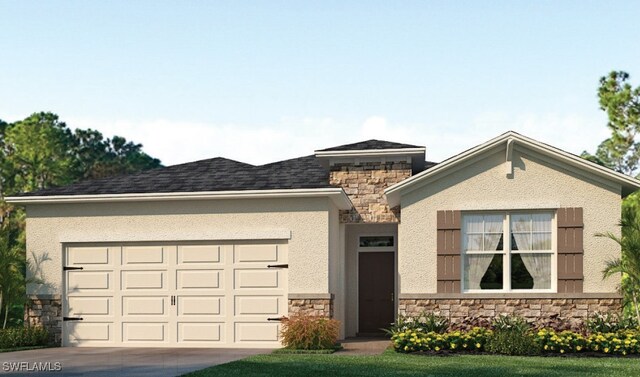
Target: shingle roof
{"x":216,"y":174}
{"x":370,"y":144}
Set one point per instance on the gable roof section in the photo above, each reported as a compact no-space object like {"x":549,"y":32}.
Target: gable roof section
{"x":628,"y":183}
{"x":212,"y":178}
{"x":368,"y":145}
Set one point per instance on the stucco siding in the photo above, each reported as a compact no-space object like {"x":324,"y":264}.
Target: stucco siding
{"x":303,"y":222}
{"x":536,"y":183}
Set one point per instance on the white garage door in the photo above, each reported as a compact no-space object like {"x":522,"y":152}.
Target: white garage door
{"x":185,"y":295}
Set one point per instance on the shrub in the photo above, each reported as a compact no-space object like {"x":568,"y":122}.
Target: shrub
{"x":23,"y":337}
{"x":511,"y":337}
{"x":425,"y":322}
{"x":310,"y":332}
{"x":622,"y":342}
{"x":512,"y":342}
{"x":418,"y":340}
{"x":607,"y":323}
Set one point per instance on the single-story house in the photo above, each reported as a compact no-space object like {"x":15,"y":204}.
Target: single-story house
{"x":212,"y":253}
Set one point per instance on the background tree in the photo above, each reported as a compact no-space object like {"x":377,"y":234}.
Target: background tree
{"x":39,"y":152}
{"x":621,"y":102}
{"x":98,"y":157}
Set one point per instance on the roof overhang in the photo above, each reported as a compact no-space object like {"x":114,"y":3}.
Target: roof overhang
{"x":336,"y":195}
{"x":509,"y":139}
{"x":414,"y":155}
{"x":372,"y":152}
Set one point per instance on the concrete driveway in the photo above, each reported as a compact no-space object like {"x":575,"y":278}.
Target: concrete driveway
{"x":125,"y":362}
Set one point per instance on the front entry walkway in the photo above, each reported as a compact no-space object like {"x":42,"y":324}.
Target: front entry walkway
{"x":122,"y":362}
{"x":364,"y":346}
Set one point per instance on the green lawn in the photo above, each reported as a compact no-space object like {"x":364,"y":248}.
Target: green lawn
{"x":392,"y":364}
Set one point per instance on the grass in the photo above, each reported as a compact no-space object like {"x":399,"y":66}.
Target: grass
{"x":393,"y":364}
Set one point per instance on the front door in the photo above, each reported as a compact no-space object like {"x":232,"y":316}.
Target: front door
{"x":375,"y":291}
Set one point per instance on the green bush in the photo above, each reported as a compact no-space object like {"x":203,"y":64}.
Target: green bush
{"x":305,"y":332}
{"x":23,"y":337}
{"x":511,"y":336}
{"x":512,"y":342}
{"x":608,"y":323}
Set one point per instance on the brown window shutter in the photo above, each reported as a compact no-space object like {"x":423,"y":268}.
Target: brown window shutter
{"x":448,"y":253}
{"x":570,"y":250}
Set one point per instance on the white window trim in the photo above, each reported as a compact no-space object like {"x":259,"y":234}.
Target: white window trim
{"x":506,"y":253}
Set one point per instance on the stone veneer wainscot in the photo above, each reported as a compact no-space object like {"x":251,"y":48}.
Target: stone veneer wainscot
{"x":574,"y":308}
{"x":45,"y":311}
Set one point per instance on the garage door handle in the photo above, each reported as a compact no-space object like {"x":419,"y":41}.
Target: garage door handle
{"x":278,"y":266}
{"x":72,"y":318}
{"x":69,"y":268}
{"x":275,"y":319}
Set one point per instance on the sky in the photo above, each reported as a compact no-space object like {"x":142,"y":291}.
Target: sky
{"x":262,"y":81}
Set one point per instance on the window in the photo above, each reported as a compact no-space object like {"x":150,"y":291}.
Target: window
{"x":376,"y":241}
{"x":508,"y":251}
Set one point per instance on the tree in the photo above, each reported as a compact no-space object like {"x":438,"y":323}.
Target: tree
{"x":628,"y":265}
{"x":98,"y":157}
{"x":621,"y":102}
{"x":37,"y":153}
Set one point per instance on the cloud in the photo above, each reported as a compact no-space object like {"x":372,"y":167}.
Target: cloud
{"x":181,"y":141}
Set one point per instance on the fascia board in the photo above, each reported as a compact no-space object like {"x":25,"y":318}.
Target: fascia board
{"x":337,"y":195}
{"x":372,"y":152}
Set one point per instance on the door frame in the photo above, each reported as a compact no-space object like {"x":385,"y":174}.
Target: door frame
{"x":388,"y":249}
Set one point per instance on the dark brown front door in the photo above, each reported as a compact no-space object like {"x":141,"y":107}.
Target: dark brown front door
{"x":375,"y":291}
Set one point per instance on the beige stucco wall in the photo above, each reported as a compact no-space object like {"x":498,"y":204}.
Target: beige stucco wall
{"x":336,"y":265}
{"x":484,"y":185}
{"x":304,"y":220}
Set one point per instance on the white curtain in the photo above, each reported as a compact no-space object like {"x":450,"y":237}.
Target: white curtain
{"x":476,"y":268}
{"x":493,"y":228}
{"x":539,"y":266}
{"x":483,"y":234}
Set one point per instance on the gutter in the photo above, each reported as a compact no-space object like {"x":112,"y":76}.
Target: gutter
{"x":337,"y":195}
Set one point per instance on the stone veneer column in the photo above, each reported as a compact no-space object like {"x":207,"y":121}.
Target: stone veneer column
{"x":319,"y":305}
{"x":364,"y":183}
{"x":45,"y":311}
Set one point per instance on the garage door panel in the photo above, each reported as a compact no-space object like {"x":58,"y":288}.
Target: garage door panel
{"x":145,"y":332}
{"x":88,"y":256}
{"x":152,"y":306}
{"x":87,"y":305}
{"x":256,"y":253}
{"x":257,"y":305}
{"x":143,"y":255}
{"x":200,"y":305}
{"x":257,"y":278}
{"x":256,"y":332}
{"x":200,"y":331}
{"x":87,"y":281}
{"x":199,"y":279}
{"x":198,"y":254}
{"x":87,"y":332}
{"x":144,"y":279}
